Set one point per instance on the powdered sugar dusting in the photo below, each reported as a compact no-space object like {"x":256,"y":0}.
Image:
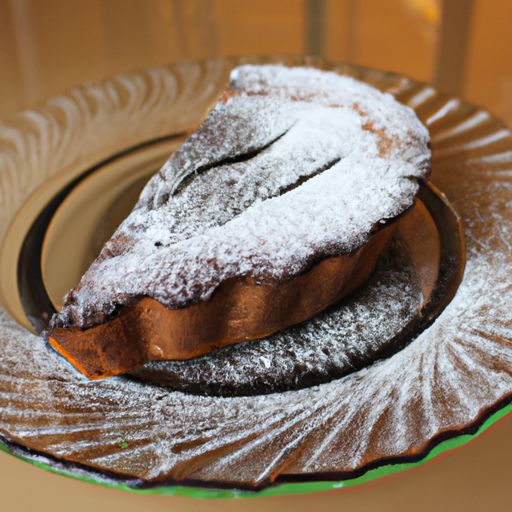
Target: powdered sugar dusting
{"x":294,"y":164}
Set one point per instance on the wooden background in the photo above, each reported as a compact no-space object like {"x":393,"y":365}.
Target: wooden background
{"x":47,"y":46}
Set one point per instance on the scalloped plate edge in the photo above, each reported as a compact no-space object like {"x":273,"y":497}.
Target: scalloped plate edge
{"x":442,"y":449}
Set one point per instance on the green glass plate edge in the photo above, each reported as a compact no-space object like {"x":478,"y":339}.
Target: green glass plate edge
{"x":288,"y":488}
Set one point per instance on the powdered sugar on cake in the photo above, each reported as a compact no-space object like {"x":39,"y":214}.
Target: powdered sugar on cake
{"x":293,"y":165}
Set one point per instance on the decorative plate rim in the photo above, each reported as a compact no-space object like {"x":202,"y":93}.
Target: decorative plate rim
{"x":31,"y":153}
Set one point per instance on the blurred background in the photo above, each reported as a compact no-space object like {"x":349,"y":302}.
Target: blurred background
{"x":463,"y":47}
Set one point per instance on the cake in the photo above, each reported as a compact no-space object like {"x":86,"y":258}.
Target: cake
{"x":273,"y":209}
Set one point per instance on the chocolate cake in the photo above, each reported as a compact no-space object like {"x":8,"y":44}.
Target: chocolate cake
{"x":272,"y":210}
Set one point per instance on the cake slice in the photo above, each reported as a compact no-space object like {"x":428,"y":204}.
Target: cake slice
{"x":273,"y":209}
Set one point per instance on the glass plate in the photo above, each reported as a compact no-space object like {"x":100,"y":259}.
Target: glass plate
{"x":448,"y":385}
